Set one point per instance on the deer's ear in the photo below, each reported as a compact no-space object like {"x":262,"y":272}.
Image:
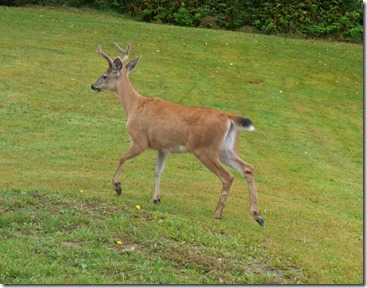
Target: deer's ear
{"x":131,"y":66}
{"x":117,"y":65}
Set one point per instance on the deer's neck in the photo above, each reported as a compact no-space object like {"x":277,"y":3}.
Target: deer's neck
{"x":126,"y":93}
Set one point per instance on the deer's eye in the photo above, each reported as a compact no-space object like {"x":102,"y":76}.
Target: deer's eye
{"x":104,"y":77}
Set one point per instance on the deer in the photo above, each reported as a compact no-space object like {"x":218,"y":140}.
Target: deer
{"x":153,"y":123}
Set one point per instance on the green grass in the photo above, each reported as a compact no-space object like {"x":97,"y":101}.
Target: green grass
{"x":57,"y":138}
{"x":74,"y":240}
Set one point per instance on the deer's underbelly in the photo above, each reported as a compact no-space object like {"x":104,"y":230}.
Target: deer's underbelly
{"x":176,"y":149}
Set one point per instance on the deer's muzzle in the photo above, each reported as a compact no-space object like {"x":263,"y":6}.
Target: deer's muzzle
{"x":94,"y":88}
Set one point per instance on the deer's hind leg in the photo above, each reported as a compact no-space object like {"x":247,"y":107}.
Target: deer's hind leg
{"x":230,"y":157}
{"x":247,"y":171}
{"x":214,"y":165}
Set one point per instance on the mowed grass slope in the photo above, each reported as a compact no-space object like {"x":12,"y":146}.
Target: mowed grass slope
{"x":58,"y":138}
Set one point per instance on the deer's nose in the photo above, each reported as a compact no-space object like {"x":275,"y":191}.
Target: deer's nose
{"x":91,"y":86}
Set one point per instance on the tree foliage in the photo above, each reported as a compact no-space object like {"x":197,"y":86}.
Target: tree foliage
{"x":342,"y":19}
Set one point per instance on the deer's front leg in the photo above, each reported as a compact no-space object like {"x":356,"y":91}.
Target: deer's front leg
{"x":133,"y":151}
{"x":161,"y":161}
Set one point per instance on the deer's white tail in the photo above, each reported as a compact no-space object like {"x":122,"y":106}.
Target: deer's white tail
{"x":244,"y":123}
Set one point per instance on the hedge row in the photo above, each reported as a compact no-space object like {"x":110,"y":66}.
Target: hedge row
{"x":342,"y":19}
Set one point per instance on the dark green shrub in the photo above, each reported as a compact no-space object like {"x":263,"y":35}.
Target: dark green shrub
{"x":183,"y":18}
{"x":342,"y":19}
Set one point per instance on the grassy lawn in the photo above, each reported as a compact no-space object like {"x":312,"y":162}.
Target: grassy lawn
{"x":60,"y":144}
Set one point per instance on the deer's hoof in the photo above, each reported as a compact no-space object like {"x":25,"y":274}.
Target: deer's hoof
{"x":118,"y":188}
{"x":260,"y":221}
{"x":155,"y":201}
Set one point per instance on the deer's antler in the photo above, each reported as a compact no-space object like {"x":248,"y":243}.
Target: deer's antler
{"x":125,"y":53}
{"x":104,"y":55}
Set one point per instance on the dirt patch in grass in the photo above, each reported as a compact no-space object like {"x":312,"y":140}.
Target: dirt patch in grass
{"x":69,"y":244}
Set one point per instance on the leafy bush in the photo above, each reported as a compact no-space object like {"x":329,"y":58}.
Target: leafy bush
{"x":184,"y":18}
{"x":353,"y":34}
{"x":342,"y":19}
{"x":313,"y":18}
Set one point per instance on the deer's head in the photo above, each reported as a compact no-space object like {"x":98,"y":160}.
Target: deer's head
{"x":116,"y":71}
